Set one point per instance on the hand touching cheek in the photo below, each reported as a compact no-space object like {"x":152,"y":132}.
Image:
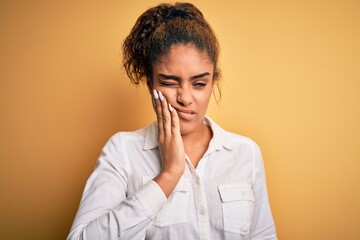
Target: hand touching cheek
{"x":170,"y":144}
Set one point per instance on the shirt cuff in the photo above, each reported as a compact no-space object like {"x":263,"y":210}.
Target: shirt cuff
{"x":152,"y":198}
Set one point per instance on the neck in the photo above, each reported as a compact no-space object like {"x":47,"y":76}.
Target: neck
{"x":197,"y":143}
{"x":201,"y":137}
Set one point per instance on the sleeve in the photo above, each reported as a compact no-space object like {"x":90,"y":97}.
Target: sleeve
{"x":263,"y":226}
{"x":105,"y":211}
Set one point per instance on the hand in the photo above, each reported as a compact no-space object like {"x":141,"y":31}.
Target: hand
{"x":171,"y":146}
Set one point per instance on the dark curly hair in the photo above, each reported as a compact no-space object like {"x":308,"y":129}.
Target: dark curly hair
{"x":157,"y":30}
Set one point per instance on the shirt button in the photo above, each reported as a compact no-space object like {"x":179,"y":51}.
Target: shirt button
{"x":202,"y":211}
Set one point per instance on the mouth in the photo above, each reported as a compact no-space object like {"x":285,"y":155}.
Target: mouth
{"x":184,"y":114}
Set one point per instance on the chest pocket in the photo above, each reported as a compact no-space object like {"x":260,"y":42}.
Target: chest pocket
{"x":176,"y":209}
{"x":238,"y":208}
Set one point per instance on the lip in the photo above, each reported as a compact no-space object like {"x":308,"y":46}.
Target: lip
{"x":185,"y":114}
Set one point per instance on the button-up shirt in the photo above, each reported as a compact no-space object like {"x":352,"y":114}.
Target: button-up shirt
{"x":224,"y":197}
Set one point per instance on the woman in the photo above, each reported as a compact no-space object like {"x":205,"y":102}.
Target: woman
{"x":183,"y":177}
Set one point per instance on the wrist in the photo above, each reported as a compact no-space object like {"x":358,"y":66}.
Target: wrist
{"x":167,"y":181}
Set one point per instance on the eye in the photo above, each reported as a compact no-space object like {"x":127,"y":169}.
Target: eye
{"x":199,"y":84}
{"x":168,"y":84}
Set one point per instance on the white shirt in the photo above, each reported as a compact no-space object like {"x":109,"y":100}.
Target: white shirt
{"x":225,"y":197}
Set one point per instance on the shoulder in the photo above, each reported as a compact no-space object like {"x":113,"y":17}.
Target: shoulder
{"x":241,"y":142}
{"x":232,"y":140}
{"x":120,"y":145}
{"x":240,"y":139}
{"x":129,"y":136}
{"x":123,"y":140}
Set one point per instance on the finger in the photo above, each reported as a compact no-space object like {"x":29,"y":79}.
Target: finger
{"x":158,"y":115}
{"x":166,"y":117}
{"x":175,"y":122}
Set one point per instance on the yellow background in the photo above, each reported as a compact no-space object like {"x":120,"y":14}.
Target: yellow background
{"x":291,"y":81}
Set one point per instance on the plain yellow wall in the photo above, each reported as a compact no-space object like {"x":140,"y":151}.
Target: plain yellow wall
{"x":291,"y":81}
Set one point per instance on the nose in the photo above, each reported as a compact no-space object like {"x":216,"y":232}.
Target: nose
{"x":184,"y":97}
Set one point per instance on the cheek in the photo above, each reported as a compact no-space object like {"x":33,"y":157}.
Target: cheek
{"x":169,"y":94}
{"x":205,"y":102}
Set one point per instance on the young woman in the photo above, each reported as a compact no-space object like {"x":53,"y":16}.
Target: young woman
{"x":183,"y":177}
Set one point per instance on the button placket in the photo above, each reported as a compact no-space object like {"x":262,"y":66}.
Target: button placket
{"x":201,"y":210}
{"x":196,"y":180}
{"x":200,"y":201}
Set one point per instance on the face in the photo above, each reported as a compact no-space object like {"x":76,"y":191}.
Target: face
{"x":185,"y":77}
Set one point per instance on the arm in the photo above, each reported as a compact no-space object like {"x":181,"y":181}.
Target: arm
{"x":263,"y":226}
{"x":105,"y":211}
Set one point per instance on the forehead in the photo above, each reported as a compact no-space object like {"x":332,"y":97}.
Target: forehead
{"x":178,"y":49}
{"x":184,"y":56}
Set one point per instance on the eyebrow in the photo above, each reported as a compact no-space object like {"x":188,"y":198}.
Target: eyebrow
{"x":173,"y":77}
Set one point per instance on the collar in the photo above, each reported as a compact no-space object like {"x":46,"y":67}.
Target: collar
{"x":219,"y":140}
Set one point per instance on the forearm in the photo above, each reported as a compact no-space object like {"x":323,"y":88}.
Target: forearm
{"x":129,"y":220}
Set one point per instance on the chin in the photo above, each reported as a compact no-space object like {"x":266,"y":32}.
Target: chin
{"x":186,"y":128}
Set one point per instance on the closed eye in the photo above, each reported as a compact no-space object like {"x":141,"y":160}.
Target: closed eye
{"x":168,"y":84}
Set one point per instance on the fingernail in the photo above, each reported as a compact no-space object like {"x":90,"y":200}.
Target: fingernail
{"x":161,"y":96}
{"x":156,"y":96}
{"x":170,"y":108}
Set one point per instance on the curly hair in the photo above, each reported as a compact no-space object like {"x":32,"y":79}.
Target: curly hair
{"x":157,"y":30}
